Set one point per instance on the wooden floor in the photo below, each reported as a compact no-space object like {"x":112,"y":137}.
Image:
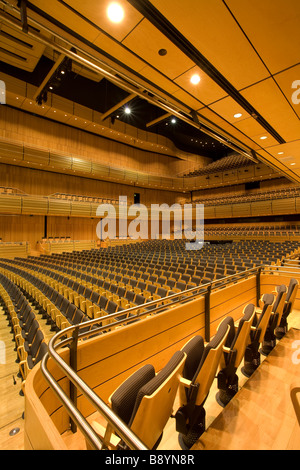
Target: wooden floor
{"x":12,"y":403}
{"x":261,"y":416}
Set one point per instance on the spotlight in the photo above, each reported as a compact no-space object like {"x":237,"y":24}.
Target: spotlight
{"x":127,"y":110}
{"x":195,"y":79}
{"x":115,"y":12}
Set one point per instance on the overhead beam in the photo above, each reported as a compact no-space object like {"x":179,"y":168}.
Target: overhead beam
{"x":49,"y":75}
{"x":117,"y":106}
{"x":22,"y":4}
{"x":156,"y":18}
{"x":155,"y":121}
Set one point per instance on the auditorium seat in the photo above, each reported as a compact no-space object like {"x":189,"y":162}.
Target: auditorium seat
{"x":258,"y":330}
{"x":233,"y":354}
{"x":25,"y":334}
{"x":35,"y":354}
{"x":199,"y":372}
{"x":144,"y":402}
{"x":288,"y":307}
{"x":269,"y":341}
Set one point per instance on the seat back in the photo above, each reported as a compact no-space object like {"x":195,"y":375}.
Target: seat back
{"x":203,"y":363}
{"x":238,"y":338}
{"x":42,"y":350}
{"x":262,"y":322}
{"x":278,"y":307}
{"x":39,"y":337}
{"x":291,"y":296}
{"x":145,"y":400}
{"x":32,"y":331}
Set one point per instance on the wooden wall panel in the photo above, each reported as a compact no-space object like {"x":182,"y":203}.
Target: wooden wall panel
{"x":33,"y":130}
{"x":43,"y":183}
{"x":15,"y":228}
{"x":74,"y":227}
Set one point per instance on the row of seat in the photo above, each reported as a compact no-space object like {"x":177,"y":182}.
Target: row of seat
{"x":93,"y":299}
{"x":225,"y":163}
{"x":60,"y":312}
{"x":25,"y":327}
{"x":145,"y":400}
{"x":94,"y":199}
{"x":252,"y":197}
{"x":125,"y":288}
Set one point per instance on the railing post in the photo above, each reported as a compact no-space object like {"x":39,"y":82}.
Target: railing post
{"x":73,"y":365}
{"x":258,"y":286}
{"x":207,"y":314}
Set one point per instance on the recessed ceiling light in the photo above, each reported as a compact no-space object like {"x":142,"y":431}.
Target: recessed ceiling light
{"x":195,"y":79}
{"x":292,"y":164}
{"x":127,"y":110}
{"x":238,"y":115}
{"x":173,"y":121}
{"x":115,"y":12}
{"x":280,"y":153}
{"x":162,"y":52}
{"x":264,"y":137}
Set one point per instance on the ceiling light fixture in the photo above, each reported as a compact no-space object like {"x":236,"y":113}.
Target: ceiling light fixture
{"x":115,"y":12}
{"x":264,"y":137}
{"x":127,"y":110}
{"x":238,"y":115}
{"x":195,"y":79}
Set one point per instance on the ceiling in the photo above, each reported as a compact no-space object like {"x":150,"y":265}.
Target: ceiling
{"x":245,"y":53}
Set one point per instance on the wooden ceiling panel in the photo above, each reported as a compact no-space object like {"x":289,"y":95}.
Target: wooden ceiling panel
{"x":160,"y":80}
{"x":118,"y":52}
{"x":272,"y":26}
{"x":270,"y":102}
{"x":228,"y":108}
{"x":146,"y":41}
{"x":287,"y":153}
{"x":206,"y":91}
{"x":188,"y":99}
{"x":278,"y":165}
{"x":249,"y":126}
{"x":285,"y":81}
{"x":210,"y":27}
{"x":96,"y":13}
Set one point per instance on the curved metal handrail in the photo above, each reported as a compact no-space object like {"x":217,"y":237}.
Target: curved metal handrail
{"x":92,"y":328}
{"x":294,"y":391}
